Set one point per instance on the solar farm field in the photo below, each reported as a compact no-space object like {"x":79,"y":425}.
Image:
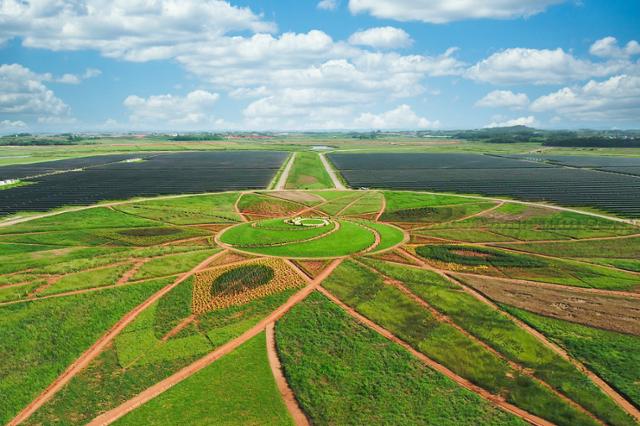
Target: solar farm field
{"x":615,"y":164}
{"x":26,"y":170}
{"x":165,"y":174}
{"x":493,"y":176}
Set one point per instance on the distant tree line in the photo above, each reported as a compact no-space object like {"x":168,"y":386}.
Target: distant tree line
{"x":593,"y":142}
{"x":197,"y":137}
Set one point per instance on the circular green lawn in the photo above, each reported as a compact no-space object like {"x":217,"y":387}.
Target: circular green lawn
{"x":283,"y":237}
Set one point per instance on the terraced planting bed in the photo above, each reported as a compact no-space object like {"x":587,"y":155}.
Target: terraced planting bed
{"x":379,"y":307}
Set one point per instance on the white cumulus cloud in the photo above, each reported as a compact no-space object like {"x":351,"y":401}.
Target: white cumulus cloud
{"x":136,"y":30}
{"x":520,"y":121}
{"x":173,"y":112}
{"x":402,"y":117}
{"x":539,"y":66}
{"x":328,"y":4}
{"x":23,"y":94}
{"x":382,"y":37}
{"x":442,"y":11}
{"x":614,"y":99}
{"x":504,"y":99}
{"x":608,"y":48}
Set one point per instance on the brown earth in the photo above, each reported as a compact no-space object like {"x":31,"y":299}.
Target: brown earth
{"x":298,"y":197}
{"x":615,"y":313}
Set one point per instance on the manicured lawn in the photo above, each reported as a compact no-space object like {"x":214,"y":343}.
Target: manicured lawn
{"x":344,"y":373}
{"x":271,"y":231}
{"x":38,"y":340}
{"x":348,"y":239}
{"x":237,"y":389}
{"x":308,"y":172}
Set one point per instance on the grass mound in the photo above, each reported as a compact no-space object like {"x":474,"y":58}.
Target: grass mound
{"x":240,"y":279}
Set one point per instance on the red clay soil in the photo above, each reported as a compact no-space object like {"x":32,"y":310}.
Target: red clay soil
{"x":162,"y":386}
{"x":86,"y":358}
{"x":494,"y":399}
{"x":287,"y":394}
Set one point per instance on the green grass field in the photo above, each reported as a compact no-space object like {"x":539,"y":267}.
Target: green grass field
{"x":344,"y":373}
{"x":237,"y":389}
{"x":38,"y":340}
{"x":308,"y":172}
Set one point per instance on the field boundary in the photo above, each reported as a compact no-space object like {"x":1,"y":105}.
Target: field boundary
{"x":289,"y":398}
{"x":493,"y":399}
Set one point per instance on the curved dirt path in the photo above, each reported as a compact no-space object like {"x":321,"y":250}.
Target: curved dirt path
{"x":282,"y":180}
{"x":383,"y":207}
{"x":162,"y":386}
{"x":332,"y":174}
{"x":287,"y":394}
{"x":91,"y":353}
{"x":494,"y":399}
{"x":236,"y":207}
{"x":599,"y":382}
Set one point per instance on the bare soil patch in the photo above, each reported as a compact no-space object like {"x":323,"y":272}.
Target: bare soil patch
{"x":298,"y":196}
{"x":615,"y":313}
{"x":312,"y":268}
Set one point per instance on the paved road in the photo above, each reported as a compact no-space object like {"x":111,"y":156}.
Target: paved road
{"x":332,"y":173}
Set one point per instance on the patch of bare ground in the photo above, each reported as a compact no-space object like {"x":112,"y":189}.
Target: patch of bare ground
{"x":298,"y":196}
{"x":311,"y":268}
{"x":394,"y":256}
{"x":228,"y":258}
{"x":609,"y":312}
{"x":528,"y":213}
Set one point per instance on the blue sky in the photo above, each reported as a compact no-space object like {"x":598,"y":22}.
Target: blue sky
{"x":113,"y":65}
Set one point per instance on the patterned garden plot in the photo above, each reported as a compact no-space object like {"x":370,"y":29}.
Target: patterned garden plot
{"x":239,"y":284}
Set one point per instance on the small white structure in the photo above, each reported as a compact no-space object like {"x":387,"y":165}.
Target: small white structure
{"x":8,"y":182}
{"x":133,"y":160}
{"x":311,"y":222}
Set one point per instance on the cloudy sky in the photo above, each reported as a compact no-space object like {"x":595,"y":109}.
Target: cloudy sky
{"x":71,"y":65}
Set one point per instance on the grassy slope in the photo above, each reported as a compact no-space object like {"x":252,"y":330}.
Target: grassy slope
{"x":38,"y":340}
{"x":344,"y":373}
{"x":308,"y":173}
{"x":237,"y":389}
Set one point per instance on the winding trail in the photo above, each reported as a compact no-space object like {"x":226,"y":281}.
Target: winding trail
{"x":162,"y":386}
{"x":494,"y":399}
{"x":287,"y":394}
{"x":236,"y":207}
{"x":332,"y":173}
{"x":383,"y":207}
{"x":85,"y":359}
{"x":282,"y":180}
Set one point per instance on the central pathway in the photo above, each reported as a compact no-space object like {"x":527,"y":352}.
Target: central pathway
{"x":282,"y":180}
{"x":332,"y":173}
